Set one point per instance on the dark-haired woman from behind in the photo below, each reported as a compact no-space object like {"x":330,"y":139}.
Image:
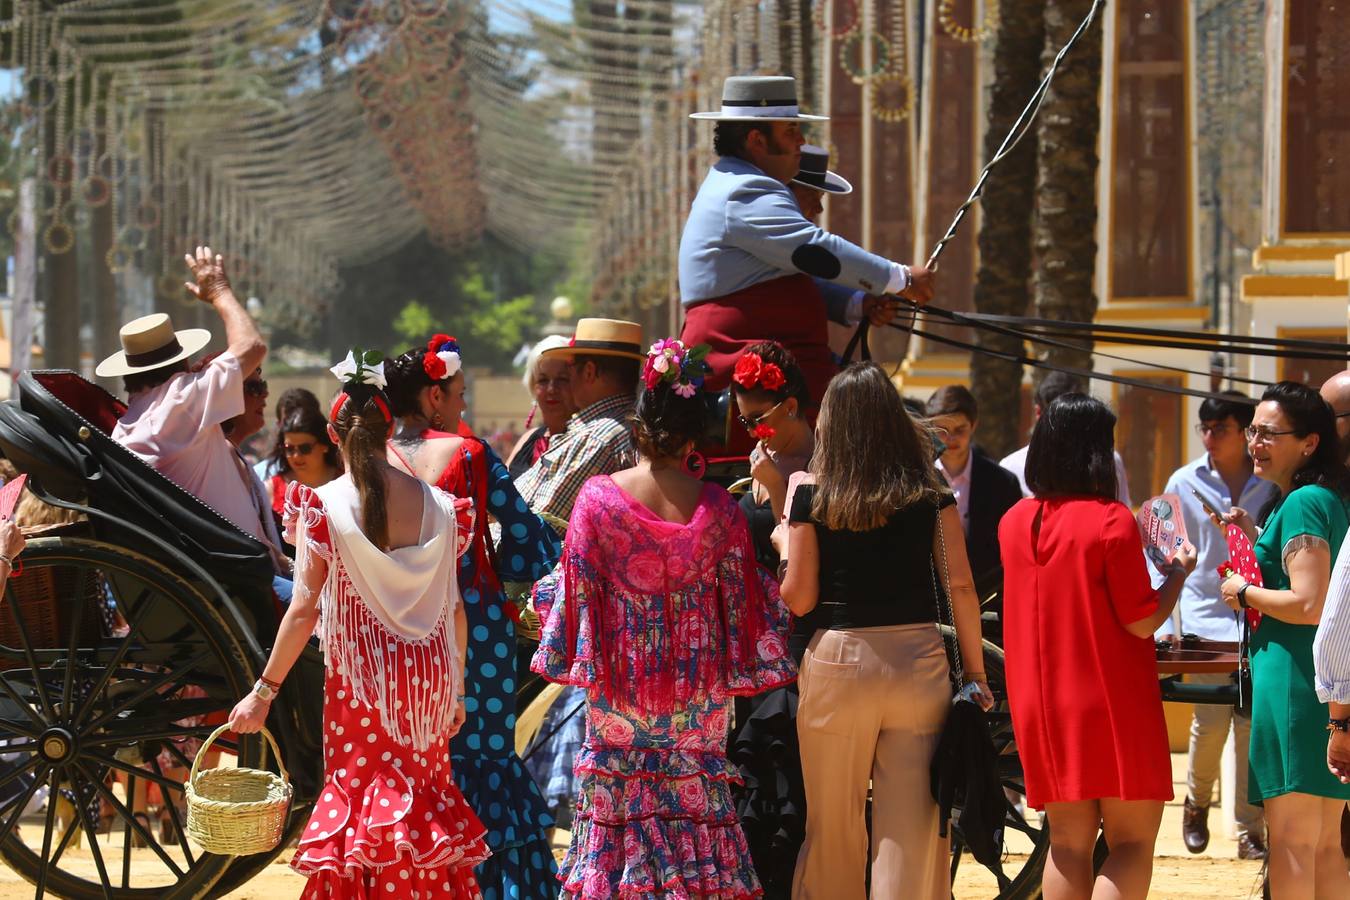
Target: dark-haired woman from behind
{"x":376,"y":554}
{"x":1292,"y":440}
{"x":1079,"y":612}
{"x":426,"y":389}
{"x":660,"y":612}
{"x":869,"y":539}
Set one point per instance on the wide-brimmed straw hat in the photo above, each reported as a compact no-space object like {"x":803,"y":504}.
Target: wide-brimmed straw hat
{"x":759,"y":98}
{"x":151,"y":343}
{"x":814,"y":172}
{"x":603,"y":337}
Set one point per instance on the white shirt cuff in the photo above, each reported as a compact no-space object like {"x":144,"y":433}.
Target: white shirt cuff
{"x":899,"y":278}
{"x":853,"y":310}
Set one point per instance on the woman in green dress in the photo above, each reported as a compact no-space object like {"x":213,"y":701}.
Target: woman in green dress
{"x":1293,"y":444}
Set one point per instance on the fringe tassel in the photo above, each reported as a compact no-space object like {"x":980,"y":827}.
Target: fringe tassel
{"x":379,"y":666}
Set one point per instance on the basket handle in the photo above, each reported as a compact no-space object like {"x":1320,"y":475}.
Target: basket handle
{"x":192,"y":776}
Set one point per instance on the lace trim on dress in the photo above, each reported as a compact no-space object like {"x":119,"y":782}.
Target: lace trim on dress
{"x":1300,"y":542}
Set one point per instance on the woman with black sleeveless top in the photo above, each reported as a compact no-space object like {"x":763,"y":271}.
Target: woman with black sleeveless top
{"x":869,"y":535}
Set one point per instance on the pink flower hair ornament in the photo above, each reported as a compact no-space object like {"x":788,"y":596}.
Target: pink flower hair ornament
{"x":681,"y":367}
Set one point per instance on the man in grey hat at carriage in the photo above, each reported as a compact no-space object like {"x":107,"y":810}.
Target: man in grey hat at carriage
{"x":750,"y":259}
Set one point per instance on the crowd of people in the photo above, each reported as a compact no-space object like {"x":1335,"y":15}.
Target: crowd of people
{"x":755,"y":687}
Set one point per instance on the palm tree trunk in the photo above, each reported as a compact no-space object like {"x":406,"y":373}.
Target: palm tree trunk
{"x":1002,"y":283}
{"x":1066,"y":179}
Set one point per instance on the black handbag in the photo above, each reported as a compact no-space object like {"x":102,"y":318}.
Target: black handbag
{"x":964,"y":771}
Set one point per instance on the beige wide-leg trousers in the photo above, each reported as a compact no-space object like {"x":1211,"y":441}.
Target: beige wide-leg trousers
{"x":872,"y":705}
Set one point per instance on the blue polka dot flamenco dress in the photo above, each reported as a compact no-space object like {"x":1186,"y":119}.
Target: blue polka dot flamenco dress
{"x":485,"y":765}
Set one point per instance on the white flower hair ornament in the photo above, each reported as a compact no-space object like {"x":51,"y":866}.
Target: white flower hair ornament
{"x":361,"y":367}
{"x":362,"y":377}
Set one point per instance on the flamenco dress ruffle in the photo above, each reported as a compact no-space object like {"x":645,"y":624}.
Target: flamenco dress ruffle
{"x":656,"y":823}
{"x":391,"y":838}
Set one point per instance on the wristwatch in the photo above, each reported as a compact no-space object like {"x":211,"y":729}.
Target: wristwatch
{"x":264,"y":690}
{"x":1242,"y":595}
{"x":1341,"y":725}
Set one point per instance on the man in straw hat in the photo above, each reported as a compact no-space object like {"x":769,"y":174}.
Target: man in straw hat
{"x":174,"y":410}
{"x":749,"y":257}
{"x":606,"y":356}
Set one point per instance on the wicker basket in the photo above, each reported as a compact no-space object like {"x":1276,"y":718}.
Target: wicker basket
{"x":235,"y":812}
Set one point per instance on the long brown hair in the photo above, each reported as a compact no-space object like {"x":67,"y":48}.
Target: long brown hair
{"x":871,"y":458}
{"x":362,"y":423}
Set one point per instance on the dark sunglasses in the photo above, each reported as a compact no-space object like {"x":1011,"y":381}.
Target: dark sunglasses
{"x":304,"y":449}
{"x":256,"y":387}
{"x":753,"y":422}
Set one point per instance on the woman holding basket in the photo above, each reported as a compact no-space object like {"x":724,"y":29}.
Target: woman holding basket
{"x":377,"y":552}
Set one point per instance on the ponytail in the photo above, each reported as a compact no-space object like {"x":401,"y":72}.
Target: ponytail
{"x":364,"y":432}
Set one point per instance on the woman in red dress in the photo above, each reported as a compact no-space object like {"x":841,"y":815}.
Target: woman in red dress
{"x":377,"y":552}
{"x":426,"y":390}
{"x":1079,"y":615}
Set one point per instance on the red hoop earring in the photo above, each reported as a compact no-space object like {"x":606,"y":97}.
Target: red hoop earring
{"x":694,"y":465}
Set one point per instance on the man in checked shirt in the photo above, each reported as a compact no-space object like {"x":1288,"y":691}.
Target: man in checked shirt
{"x":606,"y":355}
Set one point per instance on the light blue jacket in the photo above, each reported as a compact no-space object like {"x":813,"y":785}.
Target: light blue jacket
{"x":745,"y":227}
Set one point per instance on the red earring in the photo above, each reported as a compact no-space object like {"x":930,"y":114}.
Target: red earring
{"x":694,"y":465}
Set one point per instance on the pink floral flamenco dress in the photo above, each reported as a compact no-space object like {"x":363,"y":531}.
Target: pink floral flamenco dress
{"x":662,"y":623}
{"x":389,"y":821}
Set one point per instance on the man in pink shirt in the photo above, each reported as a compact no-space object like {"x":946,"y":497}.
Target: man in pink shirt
{"x":174,"y":410}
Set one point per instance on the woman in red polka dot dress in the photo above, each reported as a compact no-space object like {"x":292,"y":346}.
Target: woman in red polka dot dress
{"x":376,"y":559}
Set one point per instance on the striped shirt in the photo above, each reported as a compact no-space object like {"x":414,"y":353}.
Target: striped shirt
{"x":1331,"y":646}
{"x":596,"y":442}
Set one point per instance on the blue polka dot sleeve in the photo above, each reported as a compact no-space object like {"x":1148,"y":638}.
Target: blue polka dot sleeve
{"x":529,"y":549}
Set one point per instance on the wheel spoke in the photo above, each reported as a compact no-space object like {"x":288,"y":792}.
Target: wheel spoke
{"x":13,"y":603}
{"x":129,"y":816}
{"x":26,"y":767}
{"x":158,"y":734}
{"x":54,"y":788}
{"x":178,"y":828}
{"x":23,"y":802}
{"x":91,"y":830}
{"x":137,"y":609}
{"x":71,"y":830}
{"x":153,"y":687}
{"x":126,"y":832}
{"x":24,"y":705}
{"x":113,"y":762}
{"x":72,"y":647}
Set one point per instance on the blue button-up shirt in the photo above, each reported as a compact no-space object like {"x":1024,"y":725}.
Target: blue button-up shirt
{"x":1202,"y":612}
{"x":745,"y":227}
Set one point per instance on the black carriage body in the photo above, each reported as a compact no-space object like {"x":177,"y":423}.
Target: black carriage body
{"x":217,"y":616}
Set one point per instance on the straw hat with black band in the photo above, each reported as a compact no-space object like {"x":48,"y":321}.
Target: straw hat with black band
{"x":759,"y":98}
{"x":813,"y":171}
{"x":602,"y":337}
{"x":150,"y":342}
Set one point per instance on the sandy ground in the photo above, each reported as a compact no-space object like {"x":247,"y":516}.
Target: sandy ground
{"x":1217,"y":873}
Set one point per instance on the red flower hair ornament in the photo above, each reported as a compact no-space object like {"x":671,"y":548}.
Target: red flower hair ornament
{"x":751,"y":371}
{"x":441,"y":361}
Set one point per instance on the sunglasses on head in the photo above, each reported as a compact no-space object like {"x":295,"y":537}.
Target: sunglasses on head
{"x":304,"y":449}
{"x":255,"y":386}
{"x":752,"y":422}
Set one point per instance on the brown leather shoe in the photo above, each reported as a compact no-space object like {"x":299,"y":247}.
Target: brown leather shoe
{"x":1251,"y":846}
{"x":1195,"y":826}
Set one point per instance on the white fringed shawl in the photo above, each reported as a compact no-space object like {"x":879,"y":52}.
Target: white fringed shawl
{"x":388,"y":626}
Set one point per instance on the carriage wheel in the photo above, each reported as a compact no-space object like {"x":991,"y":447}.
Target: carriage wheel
{"x":111,"y":667}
